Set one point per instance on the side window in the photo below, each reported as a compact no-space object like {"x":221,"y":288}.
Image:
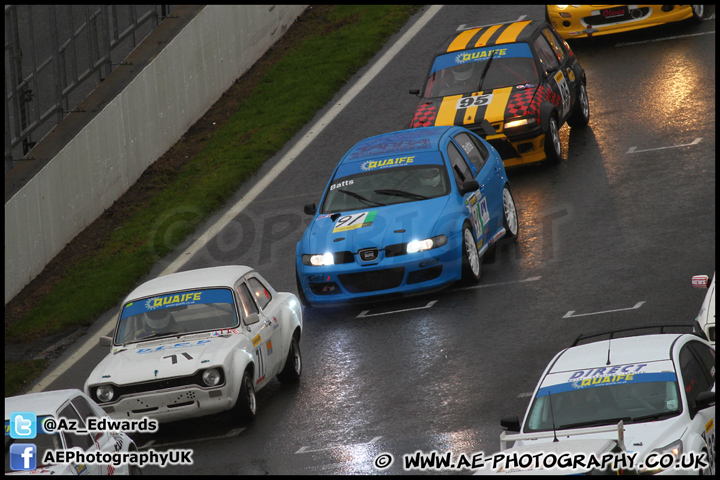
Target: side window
{"x":707,"y":358}
{"x":545,"y":54}
{"x":260,"y":293}
{"x":459,"y":166}
{"x":248,"y":303}
{"x":475,"y":151}
{"x":83,"y":408}
{"x":74,"y":439}
{"x":556,"y":46}
{"x":694,"y":379}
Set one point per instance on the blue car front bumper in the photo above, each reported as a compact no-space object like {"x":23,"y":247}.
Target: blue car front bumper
{"x":388,"y":276}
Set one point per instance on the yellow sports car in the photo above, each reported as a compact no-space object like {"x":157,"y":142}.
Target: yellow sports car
{"x":578,"y":21}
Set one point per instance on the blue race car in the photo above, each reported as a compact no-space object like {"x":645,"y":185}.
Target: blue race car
{"x":405,"y":212}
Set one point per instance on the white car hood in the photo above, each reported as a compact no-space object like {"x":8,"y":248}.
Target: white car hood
{"x":639,"y":437}
{"x":163,"y":358}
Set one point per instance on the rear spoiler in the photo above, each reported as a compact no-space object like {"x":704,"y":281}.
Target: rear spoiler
{"x":505,"y":438}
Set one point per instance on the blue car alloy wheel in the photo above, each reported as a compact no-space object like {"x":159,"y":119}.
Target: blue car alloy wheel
{"x":405,"y":212}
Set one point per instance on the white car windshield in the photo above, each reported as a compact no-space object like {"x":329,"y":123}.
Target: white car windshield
{"x":176,"y":313}
{"x":386,"y":186}
{"x":603,"y":400}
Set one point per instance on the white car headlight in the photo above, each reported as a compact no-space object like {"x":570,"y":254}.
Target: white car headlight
{"x":659,"y":458}
{"x":319,"y":260}
{"x":211,"y":377}
{"x":104,"y":393}
{"x":426,"y":244}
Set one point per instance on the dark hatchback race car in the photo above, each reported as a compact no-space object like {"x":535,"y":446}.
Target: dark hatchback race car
{"x":514,"y":84}
{"x":405,"y":212}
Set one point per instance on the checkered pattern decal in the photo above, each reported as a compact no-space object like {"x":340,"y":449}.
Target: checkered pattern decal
{"x":424,"y":115}
{"x":523,"y":102}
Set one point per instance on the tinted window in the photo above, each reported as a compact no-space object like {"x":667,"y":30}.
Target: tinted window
{"x":260,"y":293}
{"x":73,"y":439}
{"x":545,"y":54}
{"x":459,"y":166}
{"x":83,"y":408}
{"x":555,"y":44}
{"x":695,"y":380}
{"x":248,"y":303}
{"x":707,"y":359}
{"x":475,"y":151}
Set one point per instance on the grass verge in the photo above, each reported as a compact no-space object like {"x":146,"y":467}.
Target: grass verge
{"x":287,"y":96}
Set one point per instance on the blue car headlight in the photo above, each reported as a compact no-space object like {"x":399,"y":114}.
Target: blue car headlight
{"x":426,"y":244}
{"x":319,"y":260}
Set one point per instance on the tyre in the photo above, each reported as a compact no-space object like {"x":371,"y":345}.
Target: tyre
{"x":293,"y":365}
{"x":553,"y":147}
{"x":581,"y":116}
{"x":698,"y":11}
{"x":246,"y":404}
{"x":510,"y":218}
{"x":471,"y":262}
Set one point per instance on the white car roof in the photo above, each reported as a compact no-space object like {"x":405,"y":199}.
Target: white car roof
{"x":42,"y":403}
{"x":638,"y":349}
{"x":224,"y":276}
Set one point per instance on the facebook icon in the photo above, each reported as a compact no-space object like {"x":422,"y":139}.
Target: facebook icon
{"x":23,"y":456}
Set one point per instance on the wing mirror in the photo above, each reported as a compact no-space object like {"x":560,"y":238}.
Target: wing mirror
{"x":511,"y":423}
{"x":469,"y":186}
{"x":310,"y":209}
{"x":105,"y":341}
{"x":705,"y":400}
{"x":415,"y":91}
{"x":252,"y":319}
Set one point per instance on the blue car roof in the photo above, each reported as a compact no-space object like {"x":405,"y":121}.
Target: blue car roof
{"x":414,"y":141}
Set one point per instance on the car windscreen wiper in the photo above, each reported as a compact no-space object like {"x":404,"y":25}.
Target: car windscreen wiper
{"x":592,"y":423}
{"x":485,"y":70}
{"x":156,"y":335}
{"x":361,"y":198}
{"x":655,"y":416}
{"x":400,"y":193}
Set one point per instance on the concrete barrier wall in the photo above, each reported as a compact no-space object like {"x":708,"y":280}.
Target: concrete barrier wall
{"x":134,"y":128}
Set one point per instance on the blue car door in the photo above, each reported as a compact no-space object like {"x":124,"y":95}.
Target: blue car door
{"x":475,"y":203}
{"x":488,"y":173}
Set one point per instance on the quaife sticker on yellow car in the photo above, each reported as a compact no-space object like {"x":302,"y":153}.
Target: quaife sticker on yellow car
{"x":356,"y":220}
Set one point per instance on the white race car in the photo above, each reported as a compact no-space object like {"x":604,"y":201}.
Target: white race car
{"x":70,"y":404}
{"x":196,"y":343}
{"x":705,"y":320}
{"x":661,"y":386}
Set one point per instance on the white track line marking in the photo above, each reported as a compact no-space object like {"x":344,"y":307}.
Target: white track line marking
{"x":232,"y":433}
{"x":463,"y":27}
{"x":664,"y":39}
{"x":364,"y":313}
{"x":530,"y":279}
{"x":571,"y":312}
{"x":314,"y":131}
{"x":635,"y":150}
{"x":305,"y":449}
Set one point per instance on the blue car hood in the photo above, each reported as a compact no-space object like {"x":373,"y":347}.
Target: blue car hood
{"x":382,"y":226}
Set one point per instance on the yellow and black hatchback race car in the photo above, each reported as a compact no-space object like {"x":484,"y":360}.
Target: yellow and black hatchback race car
{"x":514,"y":84}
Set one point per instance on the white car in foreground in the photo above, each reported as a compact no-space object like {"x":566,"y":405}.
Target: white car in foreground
{"x":705,"y":320}
{"x":661,"y":386}
{"x":196,"y":343}
{"x":71,"y":404}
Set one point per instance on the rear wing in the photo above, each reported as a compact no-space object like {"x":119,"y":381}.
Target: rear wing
{"x":505,"y":438}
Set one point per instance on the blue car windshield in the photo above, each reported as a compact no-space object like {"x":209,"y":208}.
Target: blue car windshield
{"x":386,"y":186}
{"x":176,"y":313}
{"x":461,"y":72}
